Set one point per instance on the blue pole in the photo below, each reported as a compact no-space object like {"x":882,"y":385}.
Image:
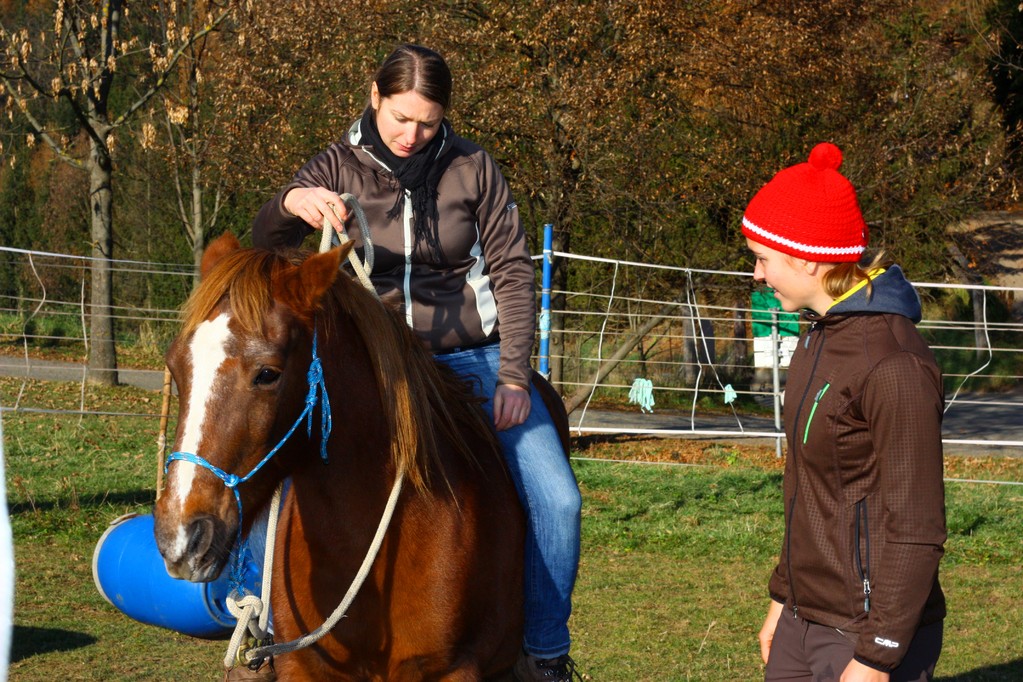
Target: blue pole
{"x":545,"y":301}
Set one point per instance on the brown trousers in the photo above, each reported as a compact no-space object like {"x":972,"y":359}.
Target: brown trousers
{"x":807,"y":652}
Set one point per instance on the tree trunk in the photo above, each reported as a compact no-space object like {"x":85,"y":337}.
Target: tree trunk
{"x":739,"y":359}
{"x":691,"y":352}
{"x":198,"y":226}
{"x":102,"y":362}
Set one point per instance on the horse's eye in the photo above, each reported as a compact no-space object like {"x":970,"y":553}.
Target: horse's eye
{"x":266,"y":377}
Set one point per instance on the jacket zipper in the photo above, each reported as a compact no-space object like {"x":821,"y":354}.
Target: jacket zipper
{"x":813,"y":410}
{"x":795,"y":494}
{"x":863,"y":566}
{"x":409,"y":238}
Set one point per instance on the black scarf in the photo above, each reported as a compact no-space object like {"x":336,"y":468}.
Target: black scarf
{"x":418,"y":174}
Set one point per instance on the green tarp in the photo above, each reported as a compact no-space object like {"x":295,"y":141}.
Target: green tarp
{"x":763,"y":302}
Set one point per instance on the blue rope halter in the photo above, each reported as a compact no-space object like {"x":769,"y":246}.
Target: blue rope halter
{"x":317,"y":392}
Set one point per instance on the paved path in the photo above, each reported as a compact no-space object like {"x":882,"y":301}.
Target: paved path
{"x":996,"y":419}
{"x":49,"y":370}
{"x":993,"y":418}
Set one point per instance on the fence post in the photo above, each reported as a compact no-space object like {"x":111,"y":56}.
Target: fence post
{"x":775,"y":376}
{"x":545,"y":301}
{"x":161,"y":439}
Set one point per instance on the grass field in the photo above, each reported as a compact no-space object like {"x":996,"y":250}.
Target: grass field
{"x":676,"y":553}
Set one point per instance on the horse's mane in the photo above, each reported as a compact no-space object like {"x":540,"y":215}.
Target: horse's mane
{"x":422,"y":401}
{"x":245,"y":276}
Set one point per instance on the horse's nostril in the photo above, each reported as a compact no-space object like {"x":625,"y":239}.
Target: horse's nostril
{"x":200,"y":536}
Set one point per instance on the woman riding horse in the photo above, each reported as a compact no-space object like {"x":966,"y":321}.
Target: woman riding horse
{"x":451,"y":256}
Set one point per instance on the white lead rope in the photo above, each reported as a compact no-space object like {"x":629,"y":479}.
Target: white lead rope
{"x":247,"y":608}
{"x":339,"y":612}
{"x":331,"y":235}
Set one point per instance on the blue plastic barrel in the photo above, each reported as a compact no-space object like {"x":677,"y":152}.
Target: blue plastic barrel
{"x":130,"y":574}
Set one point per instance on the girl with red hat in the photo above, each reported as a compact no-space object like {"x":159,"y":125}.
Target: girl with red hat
{"x":855,"y":594}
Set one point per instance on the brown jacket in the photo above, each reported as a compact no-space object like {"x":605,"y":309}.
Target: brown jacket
{"x":864,"y":491}
{"x":483,"y":289}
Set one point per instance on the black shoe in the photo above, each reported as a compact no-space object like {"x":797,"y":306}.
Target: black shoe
{"x":532,"y":669}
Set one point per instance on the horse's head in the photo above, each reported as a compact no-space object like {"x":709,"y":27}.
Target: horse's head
{"x":240,"y":364}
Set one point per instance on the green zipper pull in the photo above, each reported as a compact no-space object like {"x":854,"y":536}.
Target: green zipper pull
{"x":816,"y":402}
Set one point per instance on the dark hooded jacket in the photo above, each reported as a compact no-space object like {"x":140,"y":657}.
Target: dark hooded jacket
{"x":864,"y":491}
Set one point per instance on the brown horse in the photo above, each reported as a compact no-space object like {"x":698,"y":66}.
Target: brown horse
{"x":443,"y":600}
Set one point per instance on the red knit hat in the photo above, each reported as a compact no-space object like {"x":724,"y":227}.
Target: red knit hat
{"x":809,"y":210}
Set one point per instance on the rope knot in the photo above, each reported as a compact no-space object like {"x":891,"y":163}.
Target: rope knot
{"x":238,"y":606}
{"x":318,"y":394}
{"x":315,"y":377}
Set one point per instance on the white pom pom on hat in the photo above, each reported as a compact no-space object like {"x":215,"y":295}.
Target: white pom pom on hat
{"x":809,"y":210}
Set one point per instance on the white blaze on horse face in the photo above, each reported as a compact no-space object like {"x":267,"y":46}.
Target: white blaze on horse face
{"x":208,"y":350}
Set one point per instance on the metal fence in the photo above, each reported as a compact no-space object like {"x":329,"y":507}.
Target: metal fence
{"x":634,"y":347}
{"x":703,"y":369}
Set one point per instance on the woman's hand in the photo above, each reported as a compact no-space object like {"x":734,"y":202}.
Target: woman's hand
{"x":857,"y":672}
{"x":511,"y":406}
{"x":313,"y":204}
{"x":766,"y":635}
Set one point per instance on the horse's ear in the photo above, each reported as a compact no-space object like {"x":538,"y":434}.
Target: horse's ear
{"x":302,"y":288}
{"x":218,"y":248}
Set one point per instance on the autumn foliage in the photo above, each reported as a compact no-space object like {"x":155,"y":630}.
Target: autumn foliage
{"x":639,"y":129}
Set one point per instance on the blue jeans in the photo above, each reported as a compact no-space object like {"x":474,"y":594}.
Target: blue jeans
{"x":547,"y":488}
